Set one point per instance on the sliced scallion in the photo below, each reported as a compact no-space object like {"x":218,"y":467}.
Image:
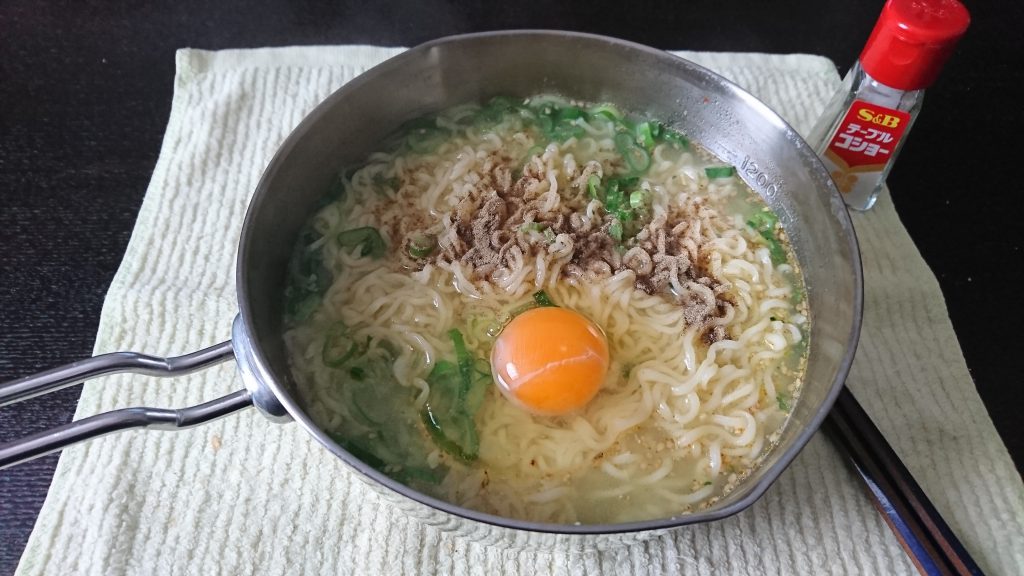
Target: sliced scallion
{"x":545,"y":123}
{"x":542,"y":299}
{"x":638,"y":199}
{"x":424,"y":135}
{"x":456,"y":392}
{"x":675,"y":138}
{"x":465,"y":361}
{"x":636,"y":157}
{"x":765,"y":223}
{"x":645,"y":135}
{"x":570,"y":113}
{"x":339,"y":348}
{"x":606,"y":111}
{"x":368,"y":237}
{"x":421,"y":245}
{"x":615,"y":230}
{"x":783,"y":402}
{"x":720,"y":171}
{"x":593,"y":185}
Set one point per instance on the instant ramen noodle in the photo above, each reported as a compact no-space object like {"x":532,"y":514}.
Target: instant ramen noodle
{"x":550,"y":311}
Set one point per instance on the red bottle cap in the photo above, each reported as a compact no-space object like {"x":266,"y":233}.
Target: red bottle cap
{"x":912,"y":40}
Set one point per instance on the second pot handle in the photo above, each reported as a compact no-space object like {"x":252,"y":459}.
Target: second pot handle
{"x":114,"y":363}
{"x":54,"y":439}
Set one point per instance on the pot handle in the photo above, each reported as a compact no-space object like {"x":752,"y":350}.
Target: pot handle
{"x":54,"y":439}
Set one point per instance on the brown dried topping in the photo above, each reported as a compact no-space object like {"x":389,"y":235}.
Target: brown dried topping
{"x":504,"y":219}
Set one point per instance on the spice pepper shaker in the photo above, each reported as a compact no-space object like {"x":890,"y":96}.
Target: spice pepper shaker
{"x":864,"y":126}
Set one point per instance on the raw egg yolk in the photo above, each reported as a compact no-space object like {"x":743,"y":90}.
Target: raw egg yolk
{"x":550,"y":360}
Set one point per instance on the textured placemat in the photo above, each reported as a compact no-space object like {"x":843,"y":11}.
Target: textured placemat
{"x":244,"y":496}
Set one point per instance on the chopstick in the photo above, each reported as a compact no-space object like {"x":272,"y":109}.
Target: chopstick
{"x":922,"y":532}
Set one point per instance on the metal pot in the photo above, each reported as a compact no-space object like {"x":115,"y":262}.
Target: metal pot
{"x":770,"y":156}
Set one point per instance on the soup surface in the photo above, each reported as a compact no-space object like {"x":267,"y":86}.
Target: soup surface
{"x":550,"y":311}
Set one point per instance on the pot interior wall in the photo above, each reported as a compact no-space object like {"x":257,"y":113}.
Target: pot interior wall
{"x":727,"y":121}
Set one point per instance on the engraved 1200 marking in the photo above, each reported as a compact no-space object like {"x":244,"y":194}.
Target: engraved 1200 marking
{"x":750,"y":168}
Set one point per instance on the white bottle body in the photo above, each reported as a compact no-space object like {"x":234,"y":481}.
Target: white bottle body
{"x":859,"y":86}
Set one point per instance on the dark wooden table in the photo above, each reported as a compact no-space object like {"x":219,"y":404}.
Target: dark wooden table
{"x":85,"y":92}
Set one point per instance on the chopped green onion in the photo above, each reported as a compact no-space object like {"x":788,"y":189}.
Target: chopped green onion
{"x":777,"y":254}
{"x":380,"y":183}
{"x":549,"y":235}
{"x":335,"y":192}
{"x":565,"y":131}
{"x":570,"y":113}
{"x":675,"y":138}
{"x":464,"y":359}
{"x":368,"y":237}
{"x":636,"y":157}
{"x":525,"y":113}
{"x":765,"y":223}
{"x":456,"y":392}
{"x":624,"y":142}
{"x":423,"y":135}
{"x":606,"y":111}
{"x":424,"y":474}
{"x":638,"y":199}
{"x":404,"y":474}
{"x":542,"y":299}
{"x":720,"y":171}
{"x":628,"y":183}
{"x":616,"y":196}
{"x":339,"y":348}
{"x":645,"y":135}
{"x":531,"y":227}
{"x":613,"y":195}
{"x":617,"y":204}
{"x":370,"y":404}
{"x":545,"y":123}
{"x":453,"y":435}
{"x":534,"y":151}
{"x":765,"y":220}
{"x":367,"y":457}
{"x":379,"y":425}
{"x":782,"y":402}
{"x":501,"y":103}
{"x":593,"y":185}
{"x":301,"y":308}
{"x":308,"y":277}
{"x":615,"y":230}
{"x":307,"y":267}
{"x":421,"y":245}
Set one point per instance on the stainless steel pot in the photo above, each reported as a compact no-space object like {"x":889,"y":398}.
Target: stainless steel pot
{"x":770,"y":156}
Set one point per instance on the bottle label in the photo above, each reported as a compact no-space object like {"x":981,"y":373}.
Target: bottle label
{"x":862,"y":145}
